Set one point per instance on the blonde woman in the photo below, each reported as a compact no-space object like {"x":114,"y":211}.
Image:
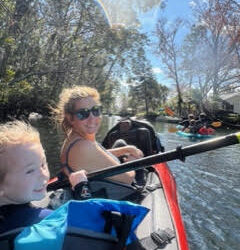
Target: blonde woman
{"x":79,"y":114}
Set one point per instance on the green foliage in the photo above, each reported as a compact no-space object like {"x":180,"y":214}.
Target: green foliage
{"x":140,"y":115}
{"x":9,"y":75}
{"x":146,"y":94}
{"x":9,"y":40}
{"x":49,"y":45}
{"x":151,"y":115}
{"x":15,"y":99}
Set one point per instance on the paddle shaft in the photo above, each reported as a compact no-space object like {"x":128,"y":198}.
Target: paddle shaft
{"x":178,"y":153}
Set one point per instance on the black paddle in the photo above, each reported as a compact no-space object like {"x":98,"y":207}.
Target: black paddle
{"x":179,"y":153}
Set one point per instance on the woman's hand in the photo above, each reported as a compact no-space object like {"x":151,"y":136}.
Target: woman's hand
{"x":134,"y":152}
{"x":127,"y":151}
{"x":77,"y":177}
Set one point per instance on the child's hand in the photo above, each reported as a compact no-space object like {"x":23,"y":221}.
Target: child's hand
{"x":187,"y":130}
{"x":77,"y":177}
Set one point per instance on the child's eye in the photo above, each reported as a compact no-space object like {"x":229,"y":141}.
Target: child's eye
{"x":30,"y":171}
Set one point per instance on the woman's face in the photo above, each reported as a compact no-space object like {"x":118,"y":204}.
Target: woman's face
{"x":89,"y":126}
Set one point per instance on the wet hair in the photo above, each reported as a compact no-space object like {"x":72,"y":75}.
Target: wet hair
{"x":13,"y":134}
{"x":66,"y":104}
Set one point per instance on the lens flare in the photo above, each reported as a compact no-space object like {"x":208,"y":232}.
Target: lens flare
{"x":101,"y":5}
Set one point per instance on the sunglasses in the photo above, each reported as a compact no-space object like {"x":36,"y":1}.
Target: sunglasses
{"x":83,"y":114}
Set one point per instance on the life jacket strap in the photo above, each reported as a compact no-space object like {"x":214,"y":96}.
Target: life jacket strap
{"x":121,"y":223}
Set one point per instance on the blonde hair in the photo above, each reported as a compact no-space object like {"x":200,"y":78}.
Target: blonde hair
{"x":12,"y":134}
{"x":66,"y":104}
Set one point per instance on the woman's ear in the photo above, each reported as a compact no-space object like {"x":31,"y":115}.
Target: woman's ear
{"x":69,"y":118}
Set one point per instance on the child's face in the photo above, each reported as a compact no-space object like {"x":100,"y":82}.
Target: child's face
{"x":27,"y":174}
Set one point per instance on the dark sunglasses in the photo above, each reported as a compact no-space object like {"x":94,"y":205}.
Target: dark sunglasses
{"x":83,"y":114}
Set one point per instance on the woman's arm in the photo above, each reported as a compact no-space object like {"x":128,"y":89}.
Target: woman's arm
{"x":127,"y":150}
{"x":90,"y":156}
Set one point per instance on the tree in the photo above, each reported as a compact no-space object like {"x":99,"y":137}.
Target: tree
{"x":145,"y":92}
{"x":52,"y":44}
{"x":170,"y":53}
{"x":211,"y":50}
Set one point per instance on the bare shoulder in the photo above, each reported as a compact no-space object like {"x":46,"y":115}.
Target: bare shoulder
{"x":82,"y":151}
{"x":84,"y":146}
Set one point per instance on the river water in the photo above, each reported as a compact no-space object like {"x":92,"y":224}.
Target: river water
{"x":208,"y":185}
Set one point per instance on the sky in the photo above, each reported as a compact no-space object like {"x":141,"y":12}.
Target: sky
{"x":124,"y":16}
{"x":174,"y":9}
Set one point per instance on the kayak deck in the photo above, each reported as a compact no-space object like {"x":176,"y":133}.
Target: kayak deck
{"x":158,"y":195}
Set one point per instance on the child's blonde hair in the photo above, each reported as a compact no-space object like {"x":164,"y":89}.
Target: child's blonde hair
{"x":66,"y":104}
{"x":13,"y":134}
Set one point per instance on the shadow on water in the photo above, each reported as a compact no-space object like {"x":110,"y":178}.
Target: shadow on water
{"x":208,"y":185}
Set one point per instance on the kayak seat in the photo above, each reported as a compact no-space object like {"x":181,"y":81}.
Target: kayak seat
{"x":138,"y":136}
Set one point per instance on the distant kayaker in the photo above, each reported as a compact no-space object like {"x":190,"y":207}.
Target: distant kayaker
{"x":24,"y":176}
{"x":79,"y":114}
{"x":202,"y":121}
{"x":185,"y":123}
{"x":192,"y":128}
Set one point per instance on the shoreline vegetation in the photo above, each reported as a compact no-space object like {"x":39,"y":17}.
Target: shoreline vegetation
{"x":34,"y":117}
{"x":44,"y":51}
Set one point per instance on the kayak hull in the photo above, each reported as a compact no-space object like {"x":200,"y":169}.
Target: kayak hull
{"x":170,"y":190}
{"x":196,"y":136}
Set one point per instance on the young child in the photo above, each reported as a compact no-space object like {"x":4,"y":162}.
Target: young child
{"x":185,"y":123}
{"x":24,"y":176}
{"x":192,"y":127}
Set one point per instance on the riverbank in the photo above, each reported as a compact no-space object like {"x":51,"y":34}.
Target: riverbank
{"x":168,"y":119}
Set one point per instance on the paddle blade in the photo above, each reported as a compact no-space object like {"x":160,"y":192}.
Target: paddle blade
{"x":216,"y":124}
{"x":172,"y":129}
{"x":168,"y":111}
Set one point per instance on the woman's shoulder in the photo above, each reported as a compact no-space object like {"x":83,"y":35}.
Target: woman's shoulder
{"x":72,"y":142}
{"x":81,"y":145}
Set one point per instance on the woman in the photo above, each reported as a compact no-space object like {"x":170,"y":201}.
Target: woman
{"x":79,"y":114}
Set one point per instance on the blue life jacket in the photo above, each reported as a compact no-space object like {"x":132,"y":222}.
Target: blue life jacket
{"x":50,"y":232}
